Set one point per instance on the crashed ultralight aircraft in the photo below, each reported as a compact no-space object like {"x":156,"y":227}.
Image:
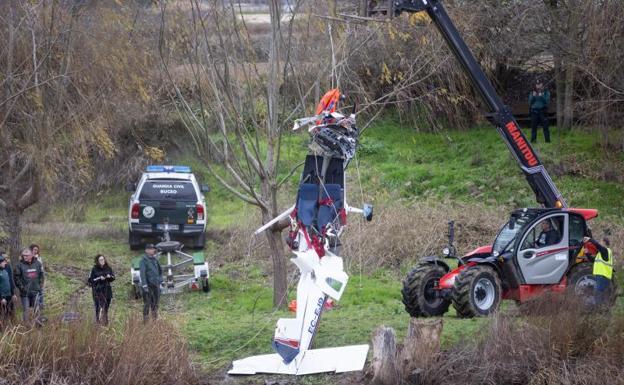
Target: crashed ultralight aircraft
{"x":317,"y":220}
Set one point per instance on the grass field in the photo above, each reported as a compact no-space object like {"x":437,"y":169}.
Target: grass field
{"x":395,"y":166}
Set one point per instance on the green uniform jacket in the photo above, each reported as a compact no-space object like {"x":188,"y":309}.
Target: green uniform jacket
{"x":150,"y":270}
{"x":29,"y":277}
{"x":539,"y":102}
{"x":7,"y":286}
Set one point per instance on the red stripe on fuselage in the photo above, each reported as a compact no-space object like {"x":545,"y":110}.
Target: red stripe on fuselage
{"x":287,"y":342}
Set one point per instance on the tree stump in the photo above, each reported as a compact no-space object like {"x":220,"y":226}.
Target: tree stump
{"x":421,"y":346}
{"x":384,"y":364}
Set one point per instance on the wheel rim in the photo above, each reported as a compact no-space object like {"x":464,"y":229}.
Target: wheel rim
{"x":585,"y":286}
{"x":430,"y":292}
{"x":484,"y":294}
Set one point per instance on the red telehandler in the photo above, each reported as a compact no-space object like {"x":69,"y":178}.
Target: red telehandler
{"x":537,"y":250}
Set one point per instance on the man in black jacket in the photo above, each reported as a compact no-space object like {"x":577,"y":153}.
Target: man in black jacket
{"x":29,"y":280}
{"x":151,"y":279}
{"x":548,"y":236}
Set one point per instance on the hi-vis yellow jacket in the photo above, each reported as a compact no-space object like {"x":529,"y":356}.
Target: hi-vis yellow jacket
{"x":604,"y":266}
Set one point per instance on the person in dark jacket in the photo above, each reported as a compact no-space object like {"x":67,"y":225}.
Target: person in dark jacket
{"x":548,"y":236}
{"x":29,"y":280}
{"x":7,"y":290}
{"x":36,"y":252}
{"x":151,"y":279}
{"x":100,"y":278}
{"x":539,"y":99}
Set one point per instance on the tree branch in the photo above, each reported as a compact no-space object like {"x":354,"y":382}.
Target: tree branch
{"x":27,"y":167}
{"x":294,"y":169}
{"x":29,"y":198}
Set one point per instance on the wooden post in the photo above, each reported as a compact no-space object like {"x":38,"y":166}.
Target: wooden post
{"x":422,"y":344}
{"x":384,"y":357}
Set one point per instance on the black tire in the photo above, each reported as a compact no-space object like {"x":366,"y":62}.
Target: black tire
{"x":477,"y":291}
{"x":205,"y":285}
{"x":581,"y":280}
{"x":581,"y":283}
{"x":418,"y":295}
{"x":134,"y":241}
{"x":199,"y":241}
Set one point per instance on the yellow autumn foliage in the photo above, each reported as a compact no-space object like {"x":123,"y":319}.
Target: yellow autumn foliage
{"x":154,"y":153}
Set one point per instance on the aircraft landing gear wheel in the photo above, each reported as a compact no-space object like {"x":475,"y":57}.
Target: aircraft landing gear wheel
{"x":205,"y":285}
{"x":419,"y":294}
{"x":477,"y":291}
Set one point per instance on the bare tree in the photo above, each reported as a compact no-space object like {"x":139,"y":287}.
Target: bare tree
{"x":56,"y":81}
{"x":235,"y":111}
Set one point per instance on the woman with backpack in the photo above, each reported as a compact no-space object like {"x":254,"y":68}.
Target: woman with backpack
{"x":99,"y":280}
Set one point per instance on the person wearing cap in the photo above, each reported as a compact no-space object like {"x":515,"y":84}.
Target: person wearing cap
{"x":29,"y":279}
{"x":7,"y":290}
{"x":151,"y":279}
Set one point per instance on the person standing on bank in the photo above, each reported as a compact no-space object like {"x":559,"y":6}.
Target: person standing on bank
{"x":151,"y":279}
{"x":602,"y":269}
{"x":99,"y":280}
{"x":29,"y":280}
{"x":7,"y":290}
{"x":35,"y":249}
{"x":539,"y":99}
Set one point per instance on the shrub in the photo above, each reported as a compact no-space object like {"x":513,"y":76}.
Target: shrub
{"x":83,"y":353}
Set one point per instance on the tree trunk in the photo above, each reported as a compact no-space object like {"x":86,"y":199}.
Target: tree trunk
{"x":555,"y":47}
{"x":568,"y":102}
{"x":384,"y":363}
{"x":333,"y":8}
{"x":280,"y":269}
{"x":559,"y":88}
{"x":422,"y":344}
{"x":280,"y":266}
{"x":363,"y":8}
{"x":14,"y":228}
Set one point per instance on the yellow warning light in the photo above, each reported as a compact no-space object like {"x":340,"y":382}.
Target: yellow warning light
{"x":558,"y":204}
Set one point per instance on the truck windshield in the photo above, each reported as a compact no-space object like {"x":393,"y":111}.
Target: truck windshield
{"x":165,"y":189}
{"x":505,"y":240}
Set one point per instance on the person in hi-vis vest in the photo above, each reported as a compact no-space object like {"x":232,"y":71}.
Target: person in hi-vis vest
{"x":603,"y":267}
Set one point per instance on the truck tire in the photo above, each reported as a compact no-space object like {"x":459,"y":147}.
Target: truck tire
{"x":419,"y":297}
{"x":134,"y":241}
{"x":199,"y":241}
{"x":477,"y":291}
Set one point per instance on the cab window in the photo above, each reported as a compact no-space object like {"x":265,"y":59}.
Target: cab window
{"x":546,"y":232}
{"x":164,"y":189}
{"x":577,"y":230}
